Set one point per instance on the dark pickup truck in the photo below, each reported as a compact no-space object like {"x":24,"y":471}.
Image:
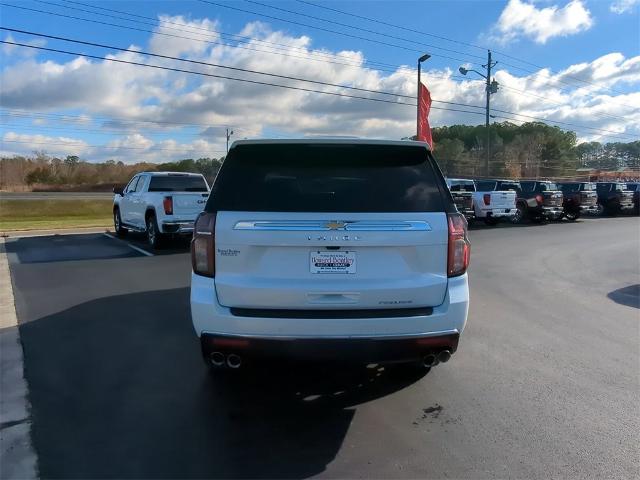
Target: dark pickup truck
{"x":613,"y":198}
{"x":462,"y":192}
{"x":541,"y":200}
{"x":635,"y":188}
{"x":579,"y":198}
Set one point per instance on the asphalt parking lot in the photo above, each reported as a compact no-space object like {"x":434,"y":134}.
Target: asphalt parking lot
{"x":545,"y":383}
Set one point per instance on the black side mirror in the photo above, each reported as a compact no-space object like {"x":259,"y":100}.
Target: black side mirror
{"x":118,"y":191}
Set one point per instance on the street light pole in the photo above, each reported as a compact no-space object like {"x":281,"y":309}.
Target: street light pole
{"x":424,"y":57}
{"x":229,"y":133}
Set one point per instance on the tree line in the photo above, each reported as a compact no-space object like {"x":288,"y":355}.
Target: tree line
{"x":44,"y":172}
{"x":516,"y":151}
{"x":529,"y":150}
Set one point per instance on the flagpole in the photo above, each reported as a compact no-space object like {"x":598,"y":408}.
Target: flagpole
{"x":424,"y":57}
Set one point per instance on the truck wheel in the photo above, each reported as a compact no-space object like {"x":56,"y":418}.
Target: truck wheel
{"x":491,"y":221}
{"x":519,"y":214}
{"x":154,"y":237}
{"x":117,"y":223}
{"x":571,"y":216}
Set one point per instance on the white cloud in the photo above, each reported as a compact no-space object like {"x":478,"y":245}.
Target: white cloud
{"x":623,"y":6}
{"x":523,"y":19}
{"x":9,"y":49}
{"x":136,"y":94}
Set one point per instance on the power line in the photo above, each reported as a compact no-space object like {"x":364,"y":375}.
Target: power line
{"x":282,"y":86}
{"x":228,"y":67}
{"x":344,"y":34}
{"x":106,"y":131}
{"x":84,"y":145}
{"x":451,"y":40}
{"x":533,"y":95}
{"x":369,"y":39}
{"x":333,"y":22}
{"x":255,"y":82}
{"x":233,"y":36}
{"x":231,"y":46}
{"x":211,"y":42}
{"x":65,"y":117}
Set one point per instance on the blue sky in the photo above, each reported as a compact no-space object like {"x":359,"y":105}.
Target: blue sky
{"x":599,"y":42}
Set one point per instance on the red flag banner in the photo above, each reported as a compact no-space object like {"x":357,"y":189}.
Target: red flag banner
{"x":424,"y":107}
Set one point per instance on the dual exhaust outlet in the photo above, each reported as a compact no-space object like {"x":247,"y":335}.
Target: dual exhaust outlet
{"x":433,"y":359}
{"x":219,"y":359}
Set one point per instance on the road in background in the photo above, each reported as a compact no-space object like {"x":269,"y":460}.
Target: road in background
{"x":545,"y":383}
{"x":56,"y":195}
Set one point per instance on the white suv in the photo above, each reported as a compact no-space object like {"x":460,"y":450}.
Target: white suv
{"x":332,"y":250}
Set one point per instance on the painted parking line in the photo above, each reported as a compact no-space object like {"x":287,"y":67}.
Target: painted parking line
{"x":137,"y":249}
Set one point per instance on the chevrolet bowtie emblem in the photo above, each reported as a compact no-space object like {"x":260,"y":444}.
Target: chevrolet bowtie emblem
{"x":335,"y":225}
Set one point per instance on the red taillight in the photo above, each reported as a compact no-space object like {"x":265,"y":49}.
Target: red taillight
{"x":487,"y":198}
{"x":459,"y":246}
{"x":167,"y":203}
{"x":539,"y":199}
{"x":203,"y":245}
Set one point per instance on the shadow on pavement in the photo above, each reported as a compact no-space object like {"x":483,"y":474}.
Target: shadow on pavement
{"x":60,"y":248}
{"x":118,"y":389}
{"x":629,"y":296}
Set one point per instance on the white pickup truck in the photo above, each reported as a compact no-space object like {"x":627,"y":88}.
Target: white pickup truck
{"x":160,"y":204}
{"x":488,"y":205}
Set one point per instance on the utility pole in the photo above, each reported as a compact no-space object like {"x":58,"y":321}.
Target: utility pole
{"x":229,"y":133}
{"x":491,"y":88}
{"x":487,"y":126}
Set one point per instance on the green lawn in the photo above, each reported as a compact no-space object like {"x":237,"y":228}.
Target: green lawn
{"x":45,"y":214}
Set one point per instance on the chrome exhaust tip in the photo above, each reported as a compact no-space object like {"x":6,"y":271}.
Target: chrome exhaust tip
{"x":217,"y":359}
{"x":234,"y":361}
{"x":444,"y":356}
{"x":429,"y":360}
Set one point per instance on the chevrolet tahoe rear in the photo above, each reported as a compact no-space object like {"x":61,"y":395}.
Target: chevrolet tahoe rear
{"x":334,"y":250}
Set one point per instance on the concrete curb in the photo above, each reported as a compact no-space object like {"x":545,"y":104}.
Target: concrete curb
{"x":48,"y":232}
{"x":17,"y":456}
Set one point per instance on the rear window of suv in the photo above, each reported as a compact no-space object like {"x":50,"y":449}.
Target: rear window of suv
{"x":327,"y":178}
{"x":177,"y":183}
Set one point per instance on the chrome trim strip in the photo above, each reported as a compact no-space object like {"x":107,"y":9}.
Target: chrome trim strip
{"x":326,"y":225}
{"x":379,"y":336}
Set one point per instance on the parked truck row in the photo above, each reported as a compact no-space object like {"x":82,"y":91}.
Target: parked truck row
{"x":492,"y":200}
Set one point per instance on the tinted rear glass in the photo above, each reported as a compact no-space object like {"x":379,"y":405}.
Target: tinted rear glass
{"x":462,"y":186}
{"x":548,"y":187}
{"x":569,"y":187}
{"x":528,"y":186}
{"x":634,"y":187}
{"x":327,"y":178}
{"x":486,"y":186}
{"x":509,"y":186}
{"x":176,"y":183}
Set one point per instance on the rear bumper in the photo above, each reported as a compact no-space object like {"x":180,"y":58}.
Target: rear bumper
{"x":589,"y":208}
{"x":371,"y":339}
{"x":497,"y":212}
{"x":354,"y":349}
{"x":178,"y":226}
{"x":552,"y":212}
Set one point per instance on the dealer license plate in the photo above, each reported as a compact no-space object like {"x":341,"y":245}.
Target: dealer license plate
{"x":332,"y":262}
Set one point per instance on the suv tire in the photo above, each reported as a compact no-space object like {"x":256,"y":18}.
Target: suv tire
{"x":117,"y":223}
